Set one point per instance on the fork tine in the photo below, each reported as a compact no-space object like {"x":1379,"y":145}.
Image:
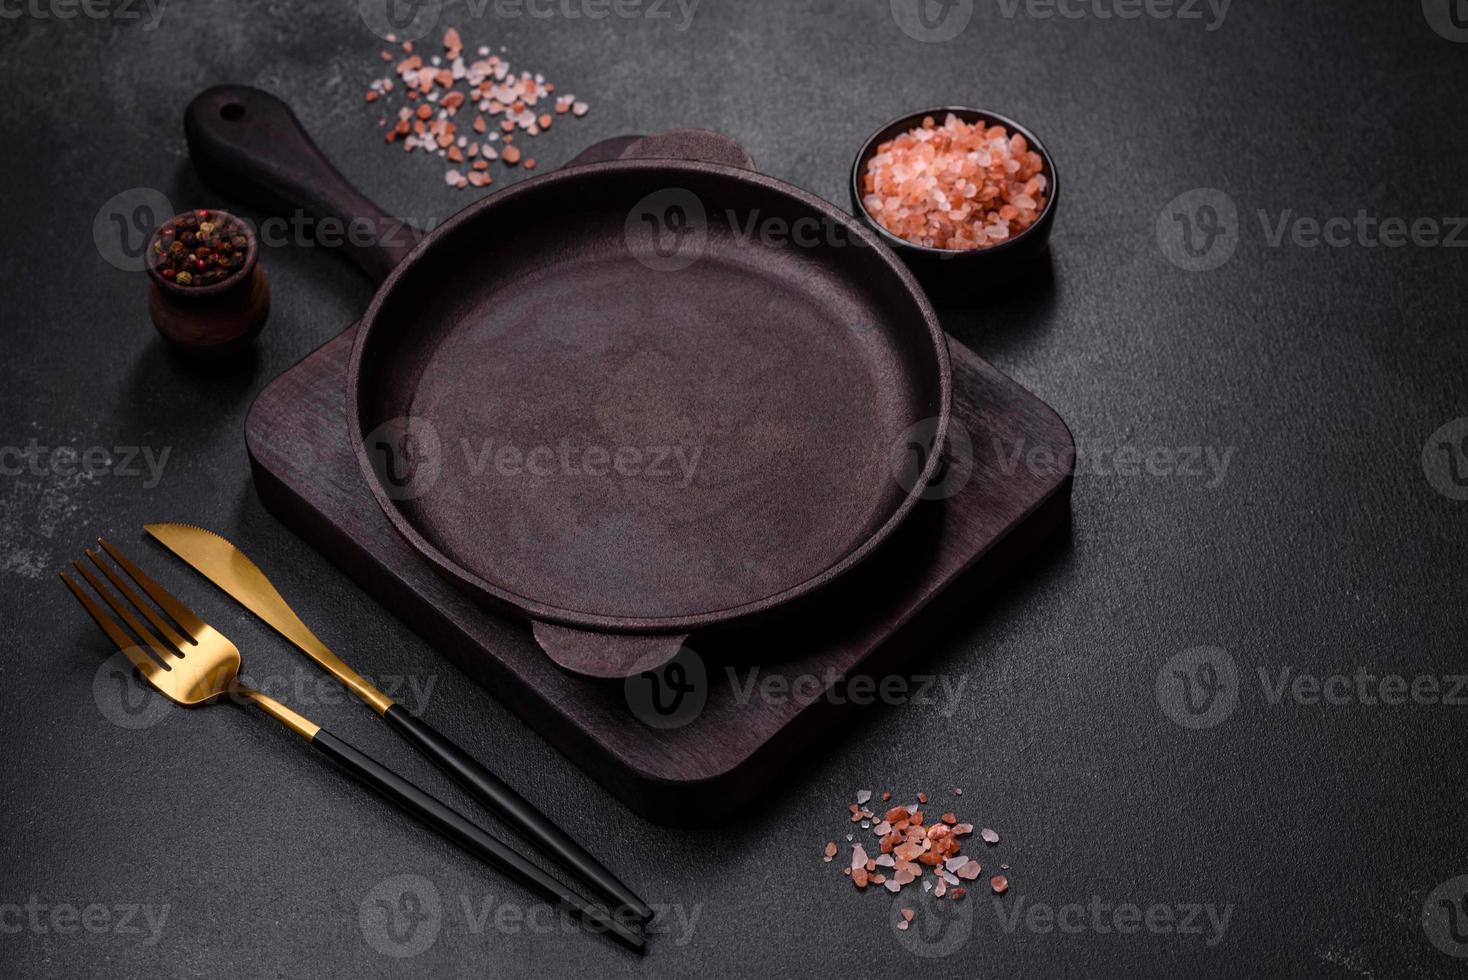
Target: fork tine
{"x":161,"y":624}
{"x":181,"y":614}
{"x":167,"y":656}
{"x":145,"y":664}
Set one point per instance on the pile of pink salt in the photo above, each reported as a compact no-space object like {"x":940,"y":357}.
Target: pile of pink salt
{"x":955,"y":186}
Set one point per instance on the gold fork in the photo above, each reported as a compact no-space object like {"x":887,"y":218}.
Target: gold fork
{"x":199,"y":665}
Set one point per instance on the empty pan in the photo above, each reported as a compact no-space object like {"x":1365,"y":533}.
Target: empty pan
{"x":629,"y":399}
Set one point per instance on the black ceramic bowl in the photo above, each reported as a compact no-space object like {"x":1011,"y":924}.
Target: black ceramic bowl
{"x":950,"y":274}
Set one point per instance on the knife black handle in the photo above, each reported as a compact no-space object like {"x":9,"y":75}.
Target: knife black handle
{"x":518,"y":812}
{"x":457,"y":828}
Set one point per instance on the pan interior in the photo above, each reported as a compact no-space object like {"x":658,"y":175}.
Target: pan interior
{"x":616,"y":433}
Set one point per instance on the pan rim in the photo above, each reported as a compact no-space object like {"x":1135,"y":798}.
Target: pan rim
{"x":536,"y":610}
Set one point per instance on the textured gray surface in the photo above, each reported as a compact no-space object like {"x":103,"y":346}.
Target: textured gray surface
{"x":1323,"y":549}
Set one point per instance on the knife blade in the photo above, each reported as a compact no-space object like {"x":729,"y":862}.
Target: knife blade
{"x":222,"y":563}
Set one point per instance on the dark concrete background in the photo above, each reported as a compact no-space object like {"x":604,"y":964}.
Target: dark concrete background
{"x":1323,"y":549}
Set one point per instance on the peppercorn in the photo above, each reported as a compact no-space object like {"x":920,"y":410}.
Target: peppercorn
{"x":200,"y":248}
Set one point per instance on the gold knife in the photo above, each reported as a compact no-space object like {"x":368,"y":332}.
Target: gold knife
{"x":232,"y":570}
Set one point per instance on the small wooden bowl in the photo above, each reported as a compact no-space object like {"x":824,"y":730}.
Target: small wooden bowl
{"x":953,"y":274}
{"x":217,"y":320}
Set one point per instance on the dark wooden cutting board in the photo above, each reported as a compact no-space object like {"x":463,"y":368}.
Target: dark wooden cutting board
{"x":692,"y":764}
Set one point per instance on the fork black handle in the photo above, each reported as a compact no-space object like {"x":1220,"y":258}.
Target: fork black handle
{"x":492,"y":791}
{"x":457,"y":828}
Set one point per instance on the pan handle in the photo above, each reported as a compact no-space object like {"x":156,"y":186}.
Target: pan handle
{"x":690,"y":144}
{"x":615,"y":656}
{"x":249,"y":144}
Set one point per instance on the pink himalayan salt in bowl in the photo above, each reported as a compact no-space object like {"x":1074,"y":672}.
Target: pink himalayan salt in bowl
{"x":956,"y":185}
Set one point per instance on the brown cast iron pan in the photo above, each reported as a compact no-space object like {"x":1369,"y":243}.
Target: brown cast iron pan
{"x":628,"y":399}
